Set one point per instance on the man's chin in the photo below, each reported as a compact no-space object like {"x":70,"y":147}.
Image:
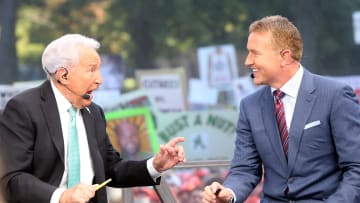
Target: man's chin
{"x":86,"y":102}
{"x":257,"y":81}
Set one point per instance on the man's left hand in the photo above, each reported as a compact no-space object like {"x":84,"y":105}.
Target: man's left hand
{"x":169,"y":155}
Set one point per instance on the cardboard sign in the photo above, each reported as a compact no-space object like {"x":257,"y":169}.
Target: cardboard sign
{"x":209,"y":135}
{"x":166,"y":87}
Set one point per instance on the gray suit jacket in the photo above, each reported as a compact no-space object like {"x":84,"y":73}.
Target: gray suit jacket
{"x":324,"y":146}
{"x":33,"y":149}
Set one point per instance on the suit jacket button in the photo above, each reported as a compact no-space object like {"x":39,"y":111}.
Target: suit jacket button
{"x":291,"y":180}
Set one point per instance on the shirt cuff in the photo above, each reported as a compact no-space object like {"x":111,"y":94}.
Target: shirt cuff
{"x":233,"y":199}
{"x":55,"y":197}
{"x":152,"y":171}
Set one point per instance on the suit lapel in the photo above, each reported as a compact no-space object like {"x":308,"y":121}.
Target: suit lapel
{"x":89,"y":118}
{"x":52,"y":118}
{"x":303,"y":107}
{"x":267,"y":107}
{"x":90,"y":128}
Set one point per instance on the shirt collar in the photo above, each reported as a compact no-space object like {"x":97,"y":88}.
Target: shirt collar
{"x":291,"y":87}
{"x":62,"y":103}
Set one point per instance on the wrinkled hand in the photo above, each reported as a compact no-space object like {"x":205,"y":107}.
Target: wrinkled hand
{"x":169,"y":155}
{"x":209,"y":194}
{"x":80,"y":193}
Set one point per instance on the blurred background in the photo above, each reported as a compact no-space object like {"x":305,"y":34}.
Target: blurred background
{"x":162,"y":33}
{"x":156,"y":60}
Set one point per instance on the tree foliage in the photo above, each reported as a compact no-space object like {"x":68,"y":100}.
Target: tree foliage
{"x":143,"y":31}
{"x":8,"y":60}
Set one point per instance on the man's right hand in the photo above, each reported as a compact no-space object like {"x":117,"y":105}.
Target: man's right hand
{"x":80,"y":193}
{"x":216,"y":193}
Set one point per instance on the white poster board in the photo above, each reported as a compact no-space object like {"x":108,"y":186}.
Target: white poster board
{"x":200,"y":93}
{"x":242,"y":87}
{"x":7,"y":92}
{"x":166,"y":87}
{"x":112,"y":71}
{"x":218,"y":66}
{"x":356,"y":26}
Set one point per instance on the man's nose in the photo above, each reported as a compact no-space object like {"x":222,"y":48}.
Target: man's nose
{"x":249,"y":60}
{"x":99,"y":78}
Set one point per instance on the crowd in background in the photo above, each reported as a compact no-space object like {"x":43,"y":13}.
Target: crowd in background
{"x":187,"y":185}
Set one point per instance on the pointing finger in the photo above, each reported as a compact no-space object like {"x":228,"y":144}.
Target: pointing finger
{"x":173,"y":142}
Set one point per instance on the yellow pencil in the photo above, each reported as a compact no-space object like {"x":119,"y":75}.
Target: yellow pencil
{"x":103,"y":184}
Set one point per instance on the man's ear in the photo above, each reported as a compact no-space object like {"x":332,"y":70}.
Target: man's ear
{"x":286,"y":57}
{"x":62,"y":75}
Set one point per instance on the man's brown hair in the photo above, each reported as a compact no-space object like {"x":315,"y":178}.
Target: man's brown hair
{"x":285,"y":34}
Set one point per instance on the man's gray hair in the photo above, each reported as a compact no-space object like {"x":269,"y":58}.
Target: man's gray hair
{"x":64,"y":52}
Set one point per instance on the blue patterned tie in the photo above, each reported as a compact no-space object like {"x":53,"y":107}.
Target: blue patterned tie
{"x":73,"y":151}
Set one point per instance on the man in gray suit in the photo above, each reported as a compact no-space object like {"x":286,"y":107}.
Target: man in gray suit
{"x":306,"y":138}
{"x":41,"y":125}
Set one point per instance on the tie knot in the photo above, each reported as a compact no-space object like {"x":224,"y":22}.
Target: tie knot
{"x":278,"y":94}
{"x":72,"y":111}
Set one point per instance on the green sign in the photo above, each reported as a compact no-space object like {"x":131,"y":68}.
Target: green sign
{"x":209,"y":135}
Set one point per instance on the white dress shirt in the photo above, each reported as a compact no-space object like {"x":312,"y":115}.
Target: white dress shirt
{"x":291,"y":90}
